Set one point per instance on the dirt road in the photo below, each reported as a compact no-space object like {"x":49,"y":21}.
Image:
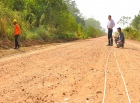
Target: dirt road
{"x":84,"y":71}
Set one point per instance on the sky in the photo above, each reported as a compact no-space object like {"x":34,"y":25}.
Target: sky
{"x":100,"y":9}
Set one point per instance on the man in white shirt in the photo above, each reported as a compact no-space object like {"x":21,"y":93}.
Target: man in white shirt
{"x":110,"y":26}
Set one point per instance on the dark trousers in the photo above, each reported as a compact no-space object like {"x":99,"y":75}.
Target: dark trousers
{"x":110,"y":39}
{"x":121,"y":44}
{"x":16,"y":41}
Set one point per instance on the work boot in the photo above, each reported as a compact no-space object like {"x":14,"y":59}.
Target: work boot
{"x":18,"y":46}
{"x":123,"y":45}
{"x":108,"y":42}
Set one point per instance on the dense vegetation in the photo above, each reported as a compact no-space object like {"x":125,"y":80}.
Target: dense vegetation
{"x":46,"y":20}
{"x":132,"y":30}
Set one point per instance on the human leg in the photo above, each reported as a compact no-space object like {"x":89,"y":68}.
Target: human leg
{"x":16,"y":42}
{"x":111,"y":39}
{"x":108,"y":39}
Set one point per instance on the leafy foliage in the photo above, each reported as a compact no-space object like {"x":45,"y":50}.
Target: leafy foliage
{"x":46,"y":20}
{"x":136,"y":22}
{"x":133,"y":32}
{"x":94,"y":23}
{"x":124,"y":21}
{"x":72,"y":8}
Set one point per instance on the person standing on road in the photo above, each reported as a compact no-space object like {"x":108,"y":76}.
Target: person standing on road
{"x":120,"y":40}
{"x":16,"y":33}
{"x":110,"y":26}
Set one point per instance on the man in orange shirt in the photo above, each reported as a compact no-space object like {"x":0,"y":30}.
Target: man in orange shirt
{"x":16,"y":33}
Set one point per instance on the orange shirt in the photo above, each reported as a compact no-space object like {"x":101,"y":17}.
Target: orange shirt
{"x":17,"y":29}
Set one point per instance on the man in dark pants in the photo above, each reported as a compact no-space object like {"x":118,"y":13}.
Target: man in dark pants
{"x":16,"y":42}
{"x":120,"y":40}
{"x":110,"y":26}
{"x":16,"y":33}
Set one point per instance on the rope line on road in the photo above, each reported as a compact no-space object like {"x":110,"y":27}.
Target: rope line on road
{"x":103,"y":100}
{"x":129,"y":101}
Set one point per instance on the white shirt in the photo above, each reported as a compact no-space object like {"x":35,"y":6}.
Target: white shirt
{"x":110,"y":24}
{"x":119,"y":36}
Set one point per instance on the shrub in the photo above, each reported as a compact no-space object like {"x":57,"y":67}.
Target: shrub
{"x":131,"y":33}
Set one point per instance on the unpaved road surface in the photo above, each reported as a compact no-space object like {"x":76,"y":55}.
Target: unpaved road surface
{"x":75,"y":72}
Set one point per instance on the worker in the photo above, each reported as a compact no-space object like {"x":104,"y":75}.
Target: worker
{"x":120,"y":39}
{"x":16,"y":33}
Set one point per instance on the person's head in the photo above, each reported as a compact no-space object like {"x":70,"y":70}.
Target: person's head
{"x":109,"y":17}
{"x":119,"y":29}
{"x":14,"y":21}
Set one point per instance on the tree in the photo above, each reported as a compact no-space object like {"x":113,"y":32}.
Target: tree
{"x":124,"y":21}
{"x":94,"y":23}
{"x":43,"y":18}
{"x":72,"y":8}
{"x":136,"y":22}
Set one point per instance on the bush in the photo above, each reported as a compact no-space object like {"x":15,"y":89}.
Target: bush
{"x":43,"y":33}
{"x":32,"y":36}
{"x":131,"y":33}
{"x":65,"y":36}
{"x":46,"y":26}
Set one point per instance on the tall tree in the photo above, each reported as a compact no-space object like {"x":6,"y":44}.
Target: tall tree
{"x":136,"y":22}
{"x":94,"y":23}
{"x":52,"y":13}
{"x":72,"y":7}
{"x":124,"y":21}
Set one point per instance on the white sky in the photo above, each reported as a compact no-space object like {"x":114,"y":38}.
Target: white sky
{"x":100,"y":9}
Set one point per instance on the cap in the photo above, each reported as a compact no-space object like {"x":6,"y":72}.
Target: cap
{"x":14,"y":20}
